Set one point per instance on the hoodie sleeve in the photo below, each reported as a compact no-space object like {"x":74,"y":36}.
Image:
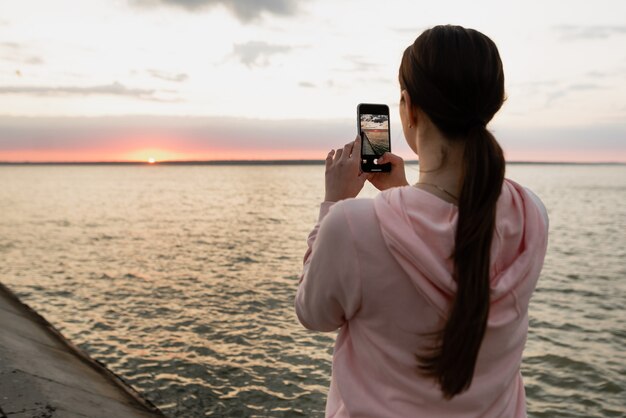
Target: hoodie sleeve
{"x":329,"y":290}
{"x":540,"y":205}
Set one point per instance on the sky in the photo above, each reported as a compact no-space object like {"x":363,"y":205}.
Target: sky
{"x":130,"y":80}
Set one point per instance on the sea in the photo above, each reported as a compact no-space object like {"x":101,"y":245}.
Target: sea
{"x":181,"y":279}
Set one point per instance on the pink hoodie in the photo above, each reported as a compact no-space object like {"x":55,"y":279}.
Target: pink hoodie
{"x":379,"y":269}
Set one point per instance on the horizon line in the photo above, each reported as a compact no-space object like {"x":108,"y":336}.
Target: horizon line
{"x":268,"y":162}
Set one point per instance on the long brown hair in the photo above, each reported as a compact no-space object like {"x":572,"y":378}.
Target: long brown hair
{"x":455,"y":76}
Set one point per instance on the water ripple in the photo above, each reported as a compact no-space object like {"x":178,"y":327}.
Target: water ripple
{"x":181,"y":279}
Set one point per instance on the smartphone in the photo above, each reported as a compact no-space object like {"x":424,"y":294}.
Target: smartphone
{"x":373,"y":127}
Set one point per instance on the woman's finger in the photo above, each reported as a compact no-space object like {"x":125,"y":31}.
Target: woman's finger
{"x":357,"y":144}
{"x":329,"y":158}
{"x":347,"y":149}
{"x":338,"y":153}
{"x":365,"y":176}
{"x":389,"y":158}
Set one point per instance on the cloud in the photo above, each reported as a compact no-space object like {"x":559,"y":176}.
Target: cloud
{"x":115,"y":89}
{"x":575,"y":32}
{"x":310,"y":85}
{"x":59,"y":133}
{"x":12,"y":51}
{"x":570,"y":89}
{"x":616,"y":72}
{"x":359,"y":63}
{"x":597,"y":142}
{"x":10,"y":45}
{"x":33,"y":60}
{"x":179,"y":77}
{"x":24,"y":135}
{"x":244,"y":10}
{"x":257,"y":53}
{"x":596,"y":74}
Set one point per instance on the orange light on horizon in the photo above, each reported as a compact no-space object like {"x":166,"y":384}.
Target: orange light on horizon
{"x":152,"y":155}
{"x":155,"y":155}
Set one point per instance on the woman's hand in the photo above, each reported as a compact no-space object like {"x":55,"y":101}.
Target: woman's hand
{"x":395,"y":178}
{"x":344,"y":178}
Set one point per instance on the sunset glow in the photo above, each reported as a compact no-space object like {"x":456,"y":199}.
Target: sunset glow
{"x":151,"y":155}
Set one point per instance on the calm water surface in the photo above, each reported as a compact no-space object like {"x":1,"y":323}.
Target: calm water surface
{"x":181,"y":279}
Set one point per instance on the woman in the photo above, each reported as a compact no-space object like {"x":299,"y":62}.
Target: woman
{"x":429,"y":284}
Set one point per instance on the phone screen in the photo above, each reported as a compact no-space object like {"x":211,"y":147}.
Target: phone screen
{"x":375,"y":139}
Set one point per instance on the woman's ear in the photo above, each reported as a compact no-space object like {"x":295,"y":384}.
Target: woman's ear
{"x":409,"y":110}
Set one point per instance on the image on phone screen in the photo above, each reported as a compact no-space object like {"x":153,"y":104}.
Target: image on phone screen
{"x":375,"y":134}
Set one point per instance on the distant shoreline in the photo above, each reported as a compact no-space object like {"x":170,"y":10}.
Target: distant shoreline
{"x":264,"y":162}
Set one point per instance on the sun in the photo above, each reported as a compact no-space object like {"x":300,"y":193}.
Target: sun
{"x":151,"y":160}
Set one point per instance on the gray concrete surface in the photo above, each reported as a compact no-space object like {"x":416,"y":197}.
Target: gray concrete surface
{"x":42,"y":375}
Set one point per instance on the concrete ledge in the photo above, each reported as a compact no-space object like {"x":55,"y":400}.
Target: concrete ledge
{"x":44,"y":375}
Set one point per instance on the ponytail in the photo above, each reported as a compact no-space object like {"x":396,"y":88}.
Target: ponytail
{"x":452,"y":363}
{"x":455,"y":76}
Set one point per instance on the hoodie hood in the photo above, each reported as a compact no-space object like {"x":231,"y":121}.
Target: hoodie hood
{"x":419,"y":230}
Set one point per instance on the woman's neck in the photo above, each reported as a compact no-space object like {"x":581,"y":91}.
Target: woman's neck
{"x":441,"y":165}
